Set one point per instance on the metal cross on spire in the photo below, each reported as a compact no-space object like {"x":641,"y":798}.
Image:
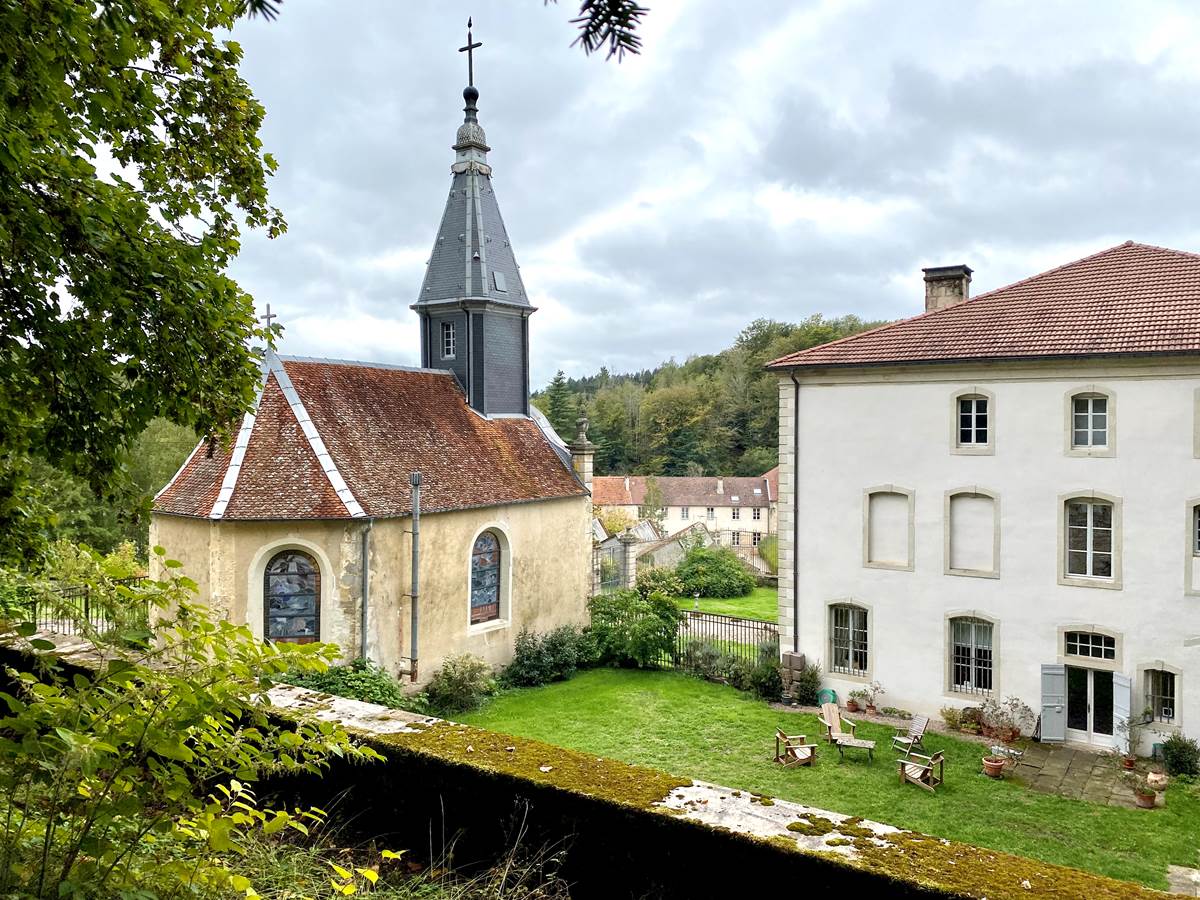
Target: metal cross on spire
{"x":268,"y":316}
{"x":470,"y":51}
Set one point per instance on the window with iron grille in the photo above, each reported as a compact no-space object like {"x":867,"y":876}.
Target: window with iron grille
{"x":1089,"y":421}
{"x":1196,"y":530}
{"x":737,"y":539}
{"x":1090,"y":538}
{"x":970,"y":656}
{"x":756,"y":514}
{"x":972,"y":421}
{"x":848,"y":652}
{"x":737,"y":513}
{"x":1160,"y":695}
{"x":448,"y":340}
{"x":1090,"y":644}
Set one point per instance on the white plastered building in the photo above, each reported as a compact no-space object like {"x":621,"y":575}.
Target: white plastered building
{"x":1001,"y":497}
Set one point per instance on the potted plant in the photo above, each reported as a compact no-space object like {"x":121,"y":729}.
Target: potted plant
{"x":1157,"y":779}
{"x":993,"y":765}
{"x":1143,"y":793}
{"x":871,"y":693}
{"x":1130,"y":731}
{"x":856,"y":697}
{"x":1005,"y":719}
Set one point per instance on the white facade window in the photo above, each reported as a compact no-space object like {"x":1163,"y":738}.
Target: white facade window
{"x":1160,"y":695}
{"x":710,"y":513}
{"x":685,"y":512}
{"x":448,"y":340}
{"x":848,"y":651}
{"x":756,"y":513}
{"x":973,"y":421}
{"x":1090,"y":538}
{"x":755,"y":538}
{"x":737,"y":539}
{"x":971,"y":660}
{"x":737,"y":513}
{"x":1196,"y":530}
{"x":1089,"y":421}
{"x":1090,"y":644}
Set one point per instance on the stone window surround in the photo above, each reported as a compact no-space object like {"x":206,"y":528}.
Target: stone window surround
{"x":506,"y":601}
{"x":976,"y":491}
{"x":948,"y":655}
{"x":1090,"y":581}
{"x":866,"y":527}
{"x":1190,"y":556}
{"x":988,"y":449}
{"x":255,"y":593}
{"x":1116,"y":664}
{"x":869,"y":676}
{"x":1140,"y":687}
{"x":1069,"y":421}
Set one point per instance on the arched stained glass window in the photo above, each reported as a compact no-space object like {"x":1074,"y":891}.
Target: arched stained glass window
{"x":292,"y":598}
{"x":485,"y":578}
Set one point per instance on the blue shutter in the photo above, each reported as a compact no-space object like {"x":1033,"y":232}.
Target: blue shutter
{"x":1122,"y":704}
{"x":1054,"y":703}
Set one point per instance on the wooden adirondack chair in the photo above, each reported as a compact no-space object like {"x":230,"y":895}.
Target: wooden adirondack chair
{"x":791,"y":749}
{"x":910,"y":741}
{"x":924,"y":771}
{"x":831,"y":717}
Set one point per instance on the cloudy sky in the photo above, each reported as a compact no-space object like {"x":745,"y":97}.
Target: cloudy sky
{"x":787,"y":159}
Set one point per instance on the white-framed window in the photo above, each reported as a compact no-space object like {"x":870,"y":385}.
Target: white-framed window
{"x":1089,"y":644}
{"x":848,"y":639}
{"x":1196,"y":530}
{"x":1160,"y":695}
{"x":756,"y":514}
{"x":973,"y":421}
{"x":1089,"y":421}
{"x":710,"y":513}
{"x":755,"y":538}
{"x":1089,"y":538}
{"x":685,"y":512}
{"x":737,"y":513}
{"x":736,"y":539}
{"x":971,"y":655}
{"x":449,"y":340}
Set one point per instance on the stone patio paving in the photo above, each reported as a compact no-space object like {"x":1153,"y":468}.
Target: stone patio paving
{"x":1073,"y":772}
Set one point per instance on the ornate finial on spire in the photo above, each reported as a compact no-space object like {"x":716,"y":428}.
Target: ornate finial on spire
{"x":470,"y":51}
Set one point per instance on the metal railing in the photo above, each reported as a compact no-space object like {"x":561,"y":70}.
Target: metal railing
{"x":72,"y":609}
{"x":703,"y":635}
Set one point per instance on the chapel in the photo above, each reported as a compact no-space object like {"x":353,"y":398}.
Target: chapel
{"x":405,"y":514}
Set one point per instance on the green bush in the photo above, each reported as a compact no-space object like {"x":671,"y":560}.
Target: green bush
{"x":461,"y":684}
{"x":540,"y":659}
{"x":660,"y":581}
{"x":358,"y":680}
{"x":806,"y":683}
{"x":1181,"y":755}
{"x":766,"y":677}
{"x":715,"y":572}
{"x":631,"y":630}
{"x":768,"y":549}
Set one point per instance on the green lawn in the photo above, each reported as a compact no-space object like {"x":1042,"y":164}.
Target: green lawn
{"x":762,"y":604}
{"x":691,"y":727}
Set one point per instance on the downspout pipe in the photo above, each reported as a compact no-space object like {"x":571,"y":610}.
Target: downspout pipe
{"x":415,"y":481}
{"x":795,"y":513}
{"x":366,"y":587}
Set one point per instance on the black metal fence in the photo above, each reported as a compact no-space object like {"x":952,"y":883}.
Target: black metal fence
{"x":75,"y":609}
{"x":705,"y":640}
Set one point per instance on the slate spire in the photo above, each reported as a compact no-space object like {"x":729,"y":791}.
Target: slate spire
{"x":473,"y":306}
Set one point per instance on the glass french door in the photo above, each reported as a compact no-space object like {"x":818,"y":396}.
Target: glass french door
{"x":1090,"y":706}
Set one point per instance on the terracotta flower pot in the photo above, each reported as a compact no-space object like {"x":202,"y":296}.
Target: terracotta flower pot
{"x":993,"y":766}
{"x":871,"y":710}
{"x":1144,"y":801}
{"x":1129,"y":761}
{"x":851,"y":706}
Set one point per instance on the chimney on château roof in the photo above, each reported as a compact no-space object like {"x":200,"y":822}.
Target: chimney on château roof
{"x":946,"y":286}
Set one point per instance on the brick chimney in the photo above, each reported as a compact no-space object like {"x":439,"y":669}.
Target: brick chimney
{"x":946,"y":286}
{"x":720,"y":485}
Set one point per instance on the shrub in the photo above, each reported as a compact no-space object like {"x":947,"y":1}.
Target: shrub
{"x":714,"y":572}
{"x":358,"y":680}
{"x":952,"y":716}
{"x":971,"y":716}
{"x":631,"y":630}
{"x":806,"y":683}
{"x":766,"y":679}
{"x":704,"y":658}
{"x":540,"y":659}
{"x":461,"y":684}
{"x":1181,"y":755}
{"x":768,"y":549}
{"x":740,"y":673}
{"x":661,"y":581}
{"x":1003,"y":717}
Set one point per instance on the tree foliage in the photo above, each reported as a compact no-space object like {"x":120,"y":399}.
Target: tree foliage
{"x":129,"y":162}
{"x":715,"y":414}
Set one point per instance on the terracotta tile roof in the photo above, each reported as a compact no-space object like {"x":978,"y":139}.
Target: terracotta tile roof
{"x":377,"y":424}
{"x":772,"y":479}
{"x":1129,"y":299}
{"x":611,"y":490}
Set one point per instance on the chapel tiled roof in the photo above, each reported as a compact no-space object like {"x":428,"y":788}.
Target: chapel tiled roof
{"x":630,"y":490}
{"x":345,"y":441}
{"x":1130,"y":299}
